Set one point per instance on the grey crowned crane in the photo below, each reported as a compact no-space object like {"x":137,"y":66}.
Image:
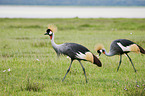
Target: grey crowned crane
{"x":73,"y":50}
{"x":119,"y":47}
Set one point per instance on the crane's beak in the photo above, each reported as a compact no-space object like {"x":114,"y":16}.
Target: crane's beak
{"x":46,"y":33}
{"x":99,"y":54}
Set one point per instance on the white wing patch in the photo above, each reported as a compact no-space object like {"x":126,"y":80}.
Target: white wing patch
{"x":87,"y":56}
{"x":80,"y":55}
{"x":132,"y":47}
{"x":127,"y":48}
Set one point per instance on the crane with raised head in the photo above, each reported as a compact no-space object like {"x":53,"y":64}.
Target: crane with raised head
{"x":120,"y":47}
{"x":73,"y":50}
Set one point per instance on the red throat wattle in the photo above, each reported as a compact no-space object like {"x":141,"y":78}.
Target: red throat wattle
{"x":103,"y":52}
{"x":50,"y":37}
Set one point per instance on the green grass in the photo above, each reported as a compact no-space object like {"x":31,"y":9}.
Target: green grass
{"x":36,"y":70}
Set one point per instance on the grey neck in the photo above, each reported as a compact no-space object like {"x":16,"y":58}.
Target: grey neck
{"x":55,"y":46}
{"x":108,"y":54}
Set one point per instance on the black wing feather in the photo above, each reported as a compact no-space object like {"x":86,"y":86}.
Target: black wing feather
{"x":115,"y":49}
{"x":70,"y":49}
{"x":125,"y":42}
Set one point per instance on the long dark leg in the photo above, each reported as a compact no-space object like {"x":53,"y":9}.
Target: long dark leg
{"x":84,"y":71}
{"x":119,"y":62}
{"x":131,"y":62}
{"x":67,"y":70}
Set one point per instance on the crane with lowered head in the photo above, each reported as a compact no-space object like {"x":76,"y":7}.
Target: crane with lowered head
{"x":120,"y":47}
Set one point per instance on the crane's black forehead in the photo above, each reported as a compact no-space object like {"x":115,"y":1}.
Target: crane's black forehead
{"x":48,"y":30}
{"x":98,"y":51}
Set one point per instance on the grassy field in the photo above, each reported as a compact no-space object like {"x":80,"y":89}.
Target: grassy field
{"x":29,"y":66}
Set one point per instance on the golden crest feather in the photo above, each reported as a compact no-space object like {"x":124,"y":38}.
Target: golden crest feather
{"x":98,"y":47}
{"x":52,"y":27}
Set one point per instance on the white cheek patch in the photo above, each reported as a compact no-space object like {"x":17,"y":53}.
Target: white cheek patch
{"x":50,"y":33}
{"x":101,"y":51}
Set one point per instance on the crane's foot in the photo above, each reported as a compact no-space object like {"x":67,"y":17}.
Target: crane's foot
{"x":86,"y":81}
{"x":135,"y":70}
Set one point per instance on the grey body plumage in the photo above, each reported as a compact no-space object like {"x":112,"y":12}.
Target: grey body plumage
{"x":116,"y":50}
{"x":74,"y":51}
{"x":70,"y":49}
{"x":122,"y":46}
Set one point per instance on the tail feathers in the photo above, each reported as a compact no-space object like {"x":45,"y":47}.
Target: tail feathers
{"x":141,"y":49}
{"x":88,"y":56}
{"x":97,"y":61}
